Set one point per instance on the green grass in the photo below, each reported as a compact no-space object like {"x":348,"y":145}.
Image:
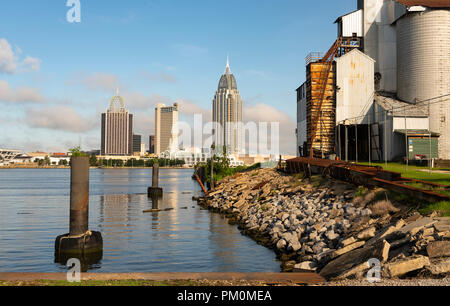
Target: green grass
{"x":362,"y":191}
{"x":442,"y":207}
{"x":414,"y":172}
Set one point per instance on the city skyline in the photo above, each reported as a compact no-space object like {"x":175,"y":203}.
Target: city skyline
{"x":52,"y":90}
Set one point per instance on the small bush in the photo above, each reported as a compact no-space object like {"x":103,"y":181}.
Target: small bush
{"x":362,"y":191}
{"x":384,"y":207}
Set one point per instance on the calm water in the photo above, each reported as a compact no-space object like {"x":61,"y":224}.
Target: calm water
{"x":34,"y":209}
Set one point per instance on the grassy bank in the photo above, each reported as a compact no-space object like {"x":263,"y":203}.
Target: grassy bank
{"x":415,"y":172}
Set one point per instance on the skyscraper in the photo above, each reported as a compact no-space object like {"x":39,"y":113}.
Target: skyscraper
{"x":117,"y":129}
{"x":227,"y":114}
{"x":166,"y":128}
{"x":151,"y":144}
{"x":137,"y":142}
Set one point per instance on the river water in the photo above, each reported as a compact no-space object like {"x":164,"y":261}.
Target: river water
{"x":34,"y":210}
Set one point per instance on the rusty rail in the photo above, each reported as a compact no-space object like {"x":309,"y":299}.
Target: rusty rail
{"x":366,"y":175}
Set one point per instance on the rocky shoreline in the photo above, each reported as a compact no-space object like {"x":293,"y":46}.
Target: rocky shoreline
{"x":332,"y":227}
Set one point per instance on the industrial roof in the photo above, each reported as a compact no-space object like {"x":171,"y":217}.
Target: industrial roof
{"x":399,"y":108}
{"x":428,"y":3}
{"x":355,"y":51}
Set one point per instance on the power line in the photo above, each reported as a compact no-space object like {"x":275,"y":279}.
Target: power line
{"x":402,"y":107}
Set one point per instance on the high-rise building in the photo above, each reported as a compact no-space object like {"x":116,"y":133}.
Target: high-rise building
{"x":166,"y":128}
{"x":151,"y":144}
{"x":227,"y":114}
{"x":137,"y":140}
{"x":117,"y":129}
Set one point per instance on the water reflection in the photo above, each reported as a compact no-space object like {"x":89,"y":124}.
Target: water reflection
{"x":88,"y":261}
{"x":180,"y":237}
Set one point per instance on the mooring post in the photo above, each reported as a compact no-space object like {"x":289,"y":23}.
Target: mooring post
{"x":79,"y":196}
{"x":80,"y":242}
{"x":155,"y":191}
{"x":212,"y":173}
{"x":155,"y":175}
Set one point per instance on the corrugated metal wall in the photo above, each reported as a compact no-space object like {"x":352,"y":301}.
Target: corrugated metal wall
{"x":352,"y":23}
{"x":355,"y":80}
{"x":423,"y":53}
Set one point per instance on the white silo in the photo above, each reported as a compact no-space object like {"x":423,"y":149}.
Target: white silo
{"x":423,"y":70}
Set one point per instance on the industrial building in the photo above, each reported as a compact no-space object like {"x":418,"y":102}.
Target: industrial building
{"x":382,"y":91}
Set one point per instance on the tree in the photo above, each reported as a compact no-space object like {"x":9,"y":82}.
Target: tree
{"x":47,"y":161}
{"x":77,"y":152}
{"x":93,"y":160}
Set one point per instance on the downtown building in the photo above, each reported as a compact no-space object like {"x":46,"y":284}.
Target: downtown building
{"x":166,"y":129}
{"x":227,"y":114}
{"x":117,"y":129}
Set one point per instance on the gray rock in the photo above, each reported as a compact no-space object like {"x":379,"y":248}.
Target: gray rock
{"x":306,"y":266}
{"x":318,"y":247}
{"x":331,"y":235}
{"x":438,"y":249}
{"x":416,"y":226}
{"x":440,"y":266}
{"x":403,"y":266}
{"x":281,"y":244}
{"x":367,"y":234}
{"x":340,"y":265}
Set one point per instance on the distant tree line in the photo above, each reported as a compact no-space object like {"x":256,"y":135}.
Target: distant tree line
{"x":163,"y":162}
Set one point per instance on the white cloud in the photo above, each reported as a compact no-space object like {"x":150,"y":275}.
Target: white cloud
{"x":19,"y":95}
{"x":159,"y":77}
{"x":265,"y":113}
{"x":31,"y":63}
{"x":97,"y":81}
{"x":138,"y":101}
{"x":188,"y":50}
{"x":9,"y":61}
{"x":188,"y":107}
{"x":62,"y":118}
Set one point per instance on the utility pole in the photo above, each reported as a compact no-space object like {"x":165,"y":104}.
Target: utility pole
{"x":429,"y":138}
{"x":346,"y":142}
{"x":370,"y":139}
{"x":406,"y":141}
{"x":356,"y":140}
{"x":385,"y":140}
{"x":340,"y":145}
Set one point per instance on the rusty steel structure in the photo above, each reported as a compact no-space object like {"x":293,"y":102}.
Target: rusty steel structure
{"x":321,"y":97}
{"x":367,"y":175}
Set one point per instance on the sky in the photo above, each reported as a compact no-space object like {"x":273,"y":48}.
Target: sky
{"x":57,"y":77}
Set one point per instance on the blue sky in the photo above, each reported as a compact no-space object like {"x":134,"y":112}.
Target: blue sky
{"x":57,"y":77}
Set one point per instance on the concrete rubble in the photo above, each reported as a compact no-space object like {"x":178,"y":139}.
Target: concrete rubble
{"x":319,"y":226}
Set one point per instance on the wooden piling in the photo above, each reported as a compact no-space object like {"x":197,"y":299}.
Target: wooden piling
{"x":79,"y":196}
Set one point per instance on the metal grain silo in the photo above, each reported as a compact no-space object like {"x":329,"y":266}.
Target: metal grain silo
{"x":423,"y":66}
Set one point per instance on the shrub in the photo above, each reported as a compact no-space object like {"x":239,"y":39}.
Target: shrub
{"x":383,"y":207}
